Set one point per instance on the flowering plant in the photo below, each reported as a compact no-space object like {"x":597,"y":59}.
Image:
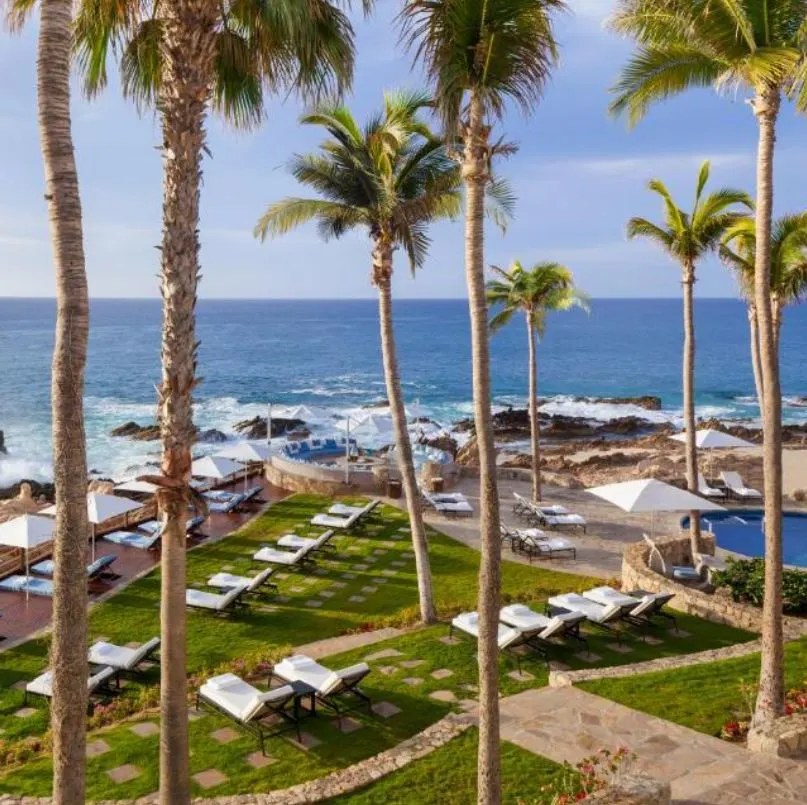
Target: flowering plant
{"x":591,"y":774}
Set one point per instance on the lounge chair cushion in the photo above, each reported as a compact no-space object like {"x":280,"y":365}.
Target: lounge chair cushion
{"x":468,"y":622}
{"x":342,"y":510}
{"x":19,"y":584}
{"x":121,"y":657}
{"x":130,"y":539}
{"x":240,"y":699}
{"x":43,"y":684}
{"x":204,"y":600}
{"x":683,"y":573}
{"x":608,"y":595}
{"x":295,"y":542}
{"x":276,"y":557}
{"x":332,"y":521}
{"x":597,"y":613}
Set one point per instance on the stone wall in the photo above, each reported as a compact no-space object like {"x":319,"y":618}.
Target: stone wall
{"x":786,"y":737}
{"x":298,"y":476}
{"x":635,"y":789}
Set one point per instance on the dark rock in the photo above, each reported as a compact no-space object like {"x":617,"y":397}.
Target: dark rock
{"x":139,"y":433}
{"x":255,"y":428}
{"x":468,"y":455}
{"x":211,"y":436}
{"x":46,"y":490}
{"x":382,"y":403}
{"x":445,"y":443}
{"x":3,"y":443}
{"x":647,"y":401}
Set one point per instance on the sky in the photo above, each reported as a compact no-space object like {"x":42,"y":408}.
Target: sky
{"x":579,"y":176}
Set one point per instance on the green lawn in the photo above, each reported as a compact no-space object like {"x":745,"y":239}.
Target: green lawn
{"x":378,"y":567}
{"x":703,"y":697}
{"x":448,"y":776}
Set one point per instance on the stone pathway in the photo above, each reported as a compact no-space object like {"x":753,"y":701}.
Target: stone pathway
{"x":567,"y":724}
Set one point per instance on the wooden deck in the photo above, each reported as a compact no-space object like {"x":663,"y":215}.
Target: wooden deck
{"x":21,"y":618}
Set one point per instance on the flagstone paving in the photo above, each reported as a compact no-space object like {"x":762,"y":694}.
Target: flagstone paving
{"x":568,"y":724}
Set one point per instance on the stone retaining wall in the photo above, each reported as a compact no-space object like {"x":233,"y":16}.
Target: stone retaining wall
{"x":297,"y":476}
{"x":786,"y":737}
{"x":333,"y":785}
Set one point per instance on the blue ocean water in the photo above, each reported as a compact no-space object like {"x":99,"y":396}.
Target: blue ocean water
{"x":326,"y":352}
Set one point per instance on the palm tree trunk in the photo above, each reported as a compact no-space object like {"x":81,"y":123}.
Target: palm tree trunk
{"x":475,"y":174}
{"x":69,"y":646}
{"x":382,"y":278}
{"x":770,"y":701}
{"x":189,"y":55}
{"x":689,"y":403}
{"x":535,"y":425}
{"x":753,"y":328}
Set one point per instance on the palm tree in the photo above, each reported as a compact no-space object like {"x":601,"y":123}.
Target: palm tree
{"x":477,"y":56}
{"x":543,"y":289}
{"x":185,"y":57}
{"x":760,"y":47}
{"x":392,"y":179}
{"x":69,"y":644}
{"x":686,"y":237}
{"x":788,"y":273}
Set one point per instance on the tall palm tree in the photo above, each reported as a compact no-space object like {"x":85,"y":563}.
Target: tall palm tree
{"x":69,"y":644}
{"x":788,"y":273}
{"x":686,"y":237}
{"x":477,"y":56}
{"x":391,"y":178}
{"x":185,"y":57}
{"x":543,"y":289}
{"x":759,"y":47}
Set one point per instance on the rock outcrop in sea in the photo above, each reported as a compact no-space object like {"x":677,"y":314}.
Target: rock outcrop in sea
{"x":255,"y":428}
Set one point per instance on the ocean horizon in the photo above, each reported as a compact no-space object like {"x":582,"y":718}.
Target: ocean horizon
{"x":326,"y":352}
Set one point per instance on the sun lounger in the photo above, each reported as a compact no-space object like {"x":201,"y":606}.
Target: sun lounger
{"x":329,"y":687}
{"x":122,"y":659}
{"x":708,"y":491}
{"x":94,"y":570}
{"x":447,"y":506}
{"x":534,"y":542}
{"x":522,"y":617}
{"x":348,"y":522}
{"x":560,"y":520}
{"x":343,"y":510}
{"x":226,"y":506}
{"x":525,"y":507}
{"x":247,"y":706}
{"x":42,"y":686}
{"x":131,"y":539}
{"x":286,"y":558}
{"x":639,"y":609}
{"x":320,"y":543}
{"x":33,"y":586}
{"x":223,"y":603}
{"x":736,"y":486}
{"x":602,"y":616}
{"x":508,"y":638}
{"x":227,"y":581}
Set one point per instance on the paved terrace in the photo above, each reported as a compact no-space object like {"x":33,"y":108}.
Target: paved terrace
{"x":21,"y":618}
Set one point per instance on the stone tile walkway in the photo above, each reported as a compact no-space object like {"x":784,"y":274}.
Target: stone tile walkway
{"x":569,"y":724}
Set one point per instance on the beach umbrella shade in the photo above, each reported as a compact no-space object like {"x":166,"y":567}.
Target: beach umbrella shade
{"x":415,"y":410}
{"x":142,"y":487}
{"x":650,"y":495}
{"x":246,"y":453}
{"x":305,"y":413}
{"x":216,"y":467}
{"x":709,"y":439}
{"x":26,"y":532}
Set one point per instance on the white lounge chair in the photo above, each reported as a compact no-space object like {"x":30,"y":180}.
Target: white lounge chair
{"x":568,"y":520}
{"x":122,"y":659}
{"x":708,"y":491}
{"x":225,"y":602}
{"x":131,"y":539}
{"x":287,"y":558}
{"x":247,"y":706}
{"x":525,"y":507}
{"x":329,"y":687}
{"x":26,"y":584}
{"x":639,"y":608}
{"x":520,"y":616}
{"x":736,"y":486}
{"x":596,"y":614}
{"x":534,"y":542}
{"x":42,"y":686}
{"x":447,"y":506}
{"x":508,"y":638}
{"x":345,"y":523}
{"x":314,"y":543}
{"x":227,"y":581}
{"x":96,"y":569}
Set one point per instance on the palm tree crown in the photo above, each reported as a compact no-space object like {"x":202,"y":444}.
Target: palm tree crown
{"x":724,"y":44}
{"x":392,"y":178}
{"x":688,"y":236}
{"x":497,"y":50}
{"x":542,"y":289}
{"x":286,"y":45}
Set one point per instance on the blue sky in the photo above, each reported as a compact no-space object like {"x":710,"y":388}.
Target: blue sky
{"x":579,"y":175}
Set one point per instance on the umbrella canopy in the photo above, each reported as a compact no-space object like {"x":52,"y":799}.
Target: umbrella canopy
{"x":26,"y":531}
{"x":245,"y":452}
{"x":144,"y":487}
{"x":214,"y":467}
{"x":415,"y":410}
{"x":650,"y":495}
{"x":101,"y":507}
{"x":714,"y":440}
{"x":306,"y":413}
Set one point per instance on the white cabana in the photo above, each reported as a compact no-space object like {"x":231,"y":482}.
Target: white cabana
{"x":215,"y":467}
{"x":709,"y":439}
{"x":101,"y":508}
{"x":245,"y":452}
{"x":305,"y":413}
{"x":26,"y":532}
{"x":142,"y":487}
{"x":650,"y":495}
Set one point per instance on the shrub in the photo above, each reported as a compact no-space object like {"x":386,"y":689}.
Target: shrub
{"x":737,"y":729}
{"x":590,"y":775}
{"x":745,"y":578}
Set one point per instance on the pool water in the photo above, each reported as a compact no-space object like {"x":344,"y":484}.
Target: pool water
{"x":742,"y":532}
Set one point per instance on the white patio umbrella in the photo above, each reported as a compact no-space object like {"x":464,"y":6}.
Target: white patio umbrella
{"x":650,"y":495}
{"x":214,"y":467}
{"x":415,"y":410}
{"x":100,"y":508}
{"x":143,"y":487}
{"x":245,"y":453}
{"x":306,"y":413}
{"x":708,"y":439}
{"x":26,"y":532}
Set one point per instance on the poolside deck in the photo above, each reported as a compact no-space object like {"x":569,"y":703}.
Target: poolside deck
{"x":21,"y":618}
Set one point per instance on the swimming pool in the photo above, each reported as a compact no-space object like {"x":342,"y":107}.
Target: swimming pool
{"x":742,"y":532}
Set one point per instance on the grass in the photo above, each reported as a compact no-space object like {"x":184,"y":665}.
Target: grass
{"x":702,"y":697}
{"x":448,"y":776}
{"x":377,"y":566}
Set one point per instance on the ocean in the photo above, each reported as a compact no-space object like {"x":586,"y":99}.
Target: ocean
{"x":327,"y":353}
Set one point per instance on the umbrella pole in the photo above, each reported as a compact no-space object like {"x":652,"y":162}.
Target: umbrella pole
{"x":269,"y":426}
{"x":27,"y":574}
{"x":347,"y":451}
{"x":92,"y":553}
